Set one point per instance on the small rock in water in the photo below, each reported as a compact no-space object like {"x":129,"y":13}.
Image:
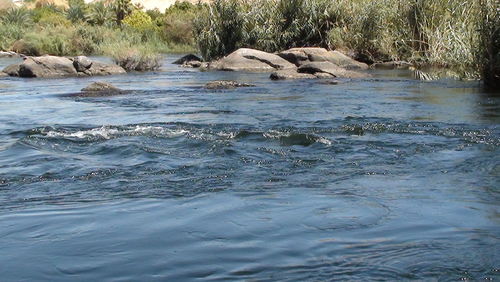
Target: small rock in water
{"x":226,"y":84}
{"x":97,"y":89}
{"x":186,"y":59}
{"x":330,"y":82}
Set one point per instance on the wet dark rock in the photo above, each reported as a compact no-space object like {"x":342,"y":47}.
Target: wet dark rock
{"x":82,"y":63}
{"x":53,"y":66}
{"x":299,"y":139}
{"x":186,"y":59}
{"x":226,"y":84}
{"x":245,"y":59}
{"x":100,"y":89}
{"x":192,"y":64}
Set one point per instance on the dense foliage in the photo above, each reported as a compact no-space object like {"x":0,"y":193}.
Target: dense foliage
{"x":103,"y":27}
{"x":441,"y":33}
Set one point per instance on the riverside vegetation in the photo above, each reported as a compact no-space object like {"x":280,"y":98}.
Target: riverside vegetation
{"x":132,"y":37}
{"x":459,"y":38}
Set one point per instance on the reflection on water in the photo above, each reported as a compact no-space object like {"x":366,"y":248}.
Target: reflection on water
{"x":385,"y":178}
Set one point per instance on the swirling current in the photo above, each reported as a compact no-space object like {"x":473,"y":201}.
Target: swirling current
{"x":384,"y":178}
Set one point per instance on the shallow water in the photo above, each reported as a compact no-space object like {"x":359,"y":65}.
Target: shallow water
{"x":385,"y":178}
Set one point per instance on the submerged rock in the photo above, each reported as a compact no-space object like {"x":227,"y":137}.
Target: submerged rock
{"x":226,"y":84}
{"x":245,"y":59}
{"x":188,"y":58}
{"x":100,"y":89}
{"x":330,"y":82}
{"x":53,"y":66}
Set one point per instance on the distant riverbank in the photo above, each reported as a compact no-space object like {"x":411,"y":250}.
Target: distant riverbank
{"x":460,"y":36}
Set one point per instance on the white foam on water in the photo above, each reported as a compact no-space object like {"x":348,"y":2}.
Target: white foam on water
{"x":109,"y":133}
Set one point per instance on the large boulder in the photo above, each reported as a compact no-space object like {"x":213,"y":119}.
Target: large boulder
{"x":2,"y":74}
{"x":319,"y":69}
{"x":300,"y":56}
{"x":47,"y":66}
{"x":245,"y":59}
{"x":53,"y":66}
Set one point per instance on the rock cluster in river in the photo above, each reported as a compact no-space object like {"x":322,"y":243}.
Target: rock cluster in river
{"x":53,"y":66}
{"x":295,"y":63}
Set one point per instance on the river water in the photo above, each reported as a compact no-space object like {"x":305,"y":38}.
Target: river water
{"x":385,"y":178}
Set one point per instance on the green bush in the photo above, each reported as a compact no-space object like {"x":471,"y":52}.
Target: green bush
{"x":139,"y":21}
{"x":9,"y":33}
{"x":133,"y":57}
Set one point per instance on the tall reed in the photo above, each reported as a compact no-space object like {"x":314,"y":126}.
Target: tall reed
{"x":489,"y":51}
{"x":438,"y":33}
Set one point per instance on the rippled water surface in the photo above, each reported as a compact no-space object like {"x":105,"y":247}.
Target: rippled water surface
{"x":381,"y":178}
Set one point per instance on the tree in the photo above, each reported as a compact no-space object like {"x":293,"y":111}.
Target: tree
{"x":122,"y":8}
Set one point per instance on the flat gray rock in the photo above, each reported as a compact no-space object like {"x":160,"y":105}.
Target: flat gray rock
{"x":290,"y":74}
{"x":328,"y":68}
{"x":300,"y":56}
{"x":245,"y":59}
{"x":226,"y":84}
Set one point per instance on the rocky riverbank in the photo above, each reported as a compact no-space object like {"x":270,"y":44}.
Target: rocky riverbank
{"x":53,"y":66}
